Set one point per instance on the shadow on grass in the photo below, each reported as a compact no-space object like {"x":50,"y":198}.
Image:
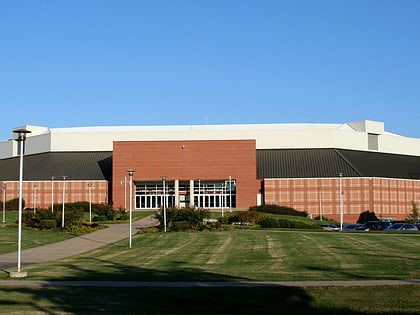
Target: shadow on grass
{"x":166,"y":300}
{"x":160,"y":299}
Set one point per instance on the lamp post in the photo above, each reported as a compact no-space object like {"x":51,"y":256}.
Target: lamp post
{"x":90,"y":202}
{"x":199,"y":193}
{"x":64,"y":195}
{"x":21,"y":139}
{"x":4,"y":203}
{"x":52,"y":193}
{"x":222,"y":199}
{"x":164,"y":202}
{"x":230,"y":193}
{"x":130,"y":174}
{"x":34,"y":198}
{"x":341,"y":201}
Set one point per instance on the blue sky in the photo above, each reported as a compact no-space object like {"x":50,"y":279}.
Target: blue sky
{"x":69,"y":63}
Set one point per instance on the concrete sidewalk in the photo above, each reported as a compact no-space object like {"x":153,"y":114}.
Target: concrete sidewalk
{"x":75,"y":246}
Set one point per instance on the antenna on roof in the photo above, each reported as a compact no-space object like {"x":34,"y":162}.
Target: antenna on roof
{"x":207,"y":119}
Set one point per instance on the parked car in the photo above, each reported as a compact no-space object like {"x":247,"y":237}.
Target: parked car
{"x":330,"y":227}
{"x":401,"y":227}
{"x":374,"y":226}
{"x":349,"y":227}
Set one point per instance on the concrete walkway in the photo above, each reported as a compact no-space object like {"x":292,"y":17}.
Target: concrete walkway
{"x":76,"y":245}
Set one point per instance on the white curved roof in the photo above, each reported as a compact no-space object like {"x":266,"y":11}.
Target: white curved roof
{"x":353,"y":136}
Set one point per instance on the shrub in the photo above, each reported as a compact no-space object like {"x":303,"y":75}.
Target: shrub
{"x":28,"y":217}
{"x":13,"y":204}
{"x":193,"y":216}
{"x":48,"y":224}
{"x":181,"y":226}
{"x":97,"y":218}
{"x":270,"y":222}
{"x":282,"y":210}
{"x":44,"y":214}
{"x":367,"y":216}
{"x":104,"y":210}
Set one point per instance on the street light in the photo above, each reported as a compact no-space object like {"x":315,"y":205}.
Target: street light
{"x":230,"y":193}
{"x":21,"y":139}
{"x":52,"y":194}
{"x":222,"y":199}
{"x":90,"y":202}
{"x":164,"y":202}
{"x":4,"y":203}
{"x":130,"y":174}
{"x":64,"y":195}
{"x":341,"y":201}
{"x":34,"y":198}
{"x":199,"y":193}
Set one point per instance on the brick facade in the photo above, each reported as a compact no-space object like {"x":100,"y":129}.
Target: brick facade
{"x":187,"y":160}
{"x":388,"y":198}
{"x":40,"y":193}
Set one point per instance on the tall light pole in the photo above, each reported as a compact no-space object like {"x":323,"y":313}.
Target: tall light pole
{"x":130,"y":174}
{"x":230,"y":193}
{"x":4,"y":203}
{"x":90,"y":202}
{"x":34,"y":198}
{"x":21,"y":139}
{"x":164,"y":202}
{"x":64,"y":196}
{"x":199,"y":193}
{"x":222,"y":199}
{"x":341,"y":201}
{"x":52,"y":193}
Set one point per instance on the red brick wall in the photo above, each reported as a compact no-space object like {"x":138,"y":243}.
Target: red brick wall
{"x":185,"y":160}
{"x":74,"y":191}
{"x":391,"y":198}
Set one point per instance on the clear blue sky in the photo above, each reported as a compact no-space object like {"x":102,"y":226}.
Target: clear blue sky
{"x":69,"y":63}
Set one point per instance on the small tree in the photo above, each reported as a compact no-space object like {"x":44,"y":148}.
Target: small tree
{"x":13,"y":204}
{"x":414,"y":216}
{"x":367,"y":216}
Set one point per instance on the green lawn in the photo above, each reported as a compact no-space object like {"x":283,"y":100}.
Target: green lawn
{"x":214,"y":301}
{"x":239,"y":255}
{"x":245,"y":255}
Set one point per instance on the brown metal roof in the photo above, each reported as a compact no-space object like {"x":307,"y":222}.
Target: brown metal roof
{"x":312,"y":163}
{"x":74,"y":165}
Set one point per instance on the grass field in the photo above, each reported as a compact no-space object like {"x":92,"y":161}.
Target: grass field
{"x":245,"y":255}
{"x":217,"y":301}
{"x":239,"y":255}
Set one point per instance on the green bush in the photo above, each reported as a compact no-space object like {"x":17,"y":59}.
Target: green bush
{"x":47,"y":224}
{"x":367,"y":216}
{"x":97,"y":218}
{"x":270,"y":222}
{"x":181,"y":226}
{"x":45,"y":214}
{"x":104,"y":210}
{"x":282,"y":210}
{"x":13,"y":204}
{"x":27,"y":216}
{"x":193,"y":216}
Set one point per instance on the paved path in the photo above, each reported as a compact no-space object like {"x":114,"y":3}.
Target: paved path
{"x":74,"y":246}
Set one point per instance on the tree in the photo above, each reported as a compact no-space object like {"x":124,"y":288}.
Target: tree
{"x":414,"y":216}
{"x":367,"y":216}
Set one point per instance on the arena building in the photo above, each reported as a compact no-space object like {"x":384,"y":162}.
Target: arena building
{"x":322,"y":169}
